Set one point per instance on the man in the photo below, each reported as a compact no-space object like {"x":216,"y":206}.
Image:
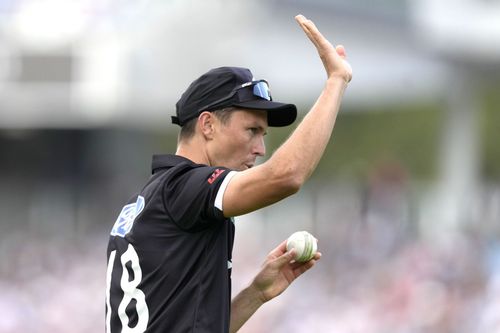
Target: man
{"x":169,"y":253}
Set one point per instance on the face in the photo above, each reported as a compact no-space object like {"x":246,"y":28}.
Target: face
{"x":237,"y":143}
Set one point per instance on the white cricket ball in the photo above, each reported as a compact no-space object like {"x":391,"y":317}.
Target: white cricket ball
{"x":305,"y":245}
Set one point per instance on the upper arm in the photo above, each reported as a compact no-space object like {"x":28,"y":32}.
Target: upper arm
{"x":255,"y":188}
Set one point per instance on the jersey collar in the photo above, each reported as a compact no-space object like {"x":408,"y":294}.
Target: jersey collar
{"x":167,"y":161}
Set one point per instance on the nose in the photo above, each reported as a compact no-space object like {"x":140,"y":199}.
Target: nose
{"x":260,"y":147}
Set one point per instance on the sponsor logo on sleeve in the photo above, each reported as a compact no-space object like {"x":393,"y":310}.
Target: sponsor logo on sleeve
{"x":215,"y":175}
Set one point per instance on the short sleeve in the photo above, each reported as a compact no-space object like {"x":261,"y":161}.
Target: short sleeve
{"x":190,"y":194}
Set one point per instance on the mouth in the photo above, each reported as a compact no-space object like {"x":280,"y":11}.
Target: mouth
{"x":249,"y":165}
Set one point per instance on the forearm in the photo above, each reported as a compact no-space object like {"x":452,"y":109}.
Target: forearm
{"x":243,"y":306}
{"x":300,"y":154}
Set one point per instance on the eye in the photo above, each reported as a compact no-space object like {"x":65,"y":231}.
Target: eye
{"x":257,"y":130}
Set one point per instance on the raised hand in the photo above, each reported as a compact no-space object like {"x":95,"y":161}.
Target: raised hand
{"x":333,"y":58}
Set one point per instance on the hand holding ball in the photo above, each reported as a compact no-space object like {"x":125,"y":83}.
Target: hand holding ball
{"x":305,"y":245}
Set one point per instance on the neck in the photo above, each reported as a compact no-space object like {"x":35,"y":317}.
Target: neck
{"x":192,"y":150}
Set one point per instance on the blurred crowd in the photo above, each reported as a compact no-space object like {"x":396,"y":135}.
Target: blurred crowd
{"x":418,"y":288}
{"x":378,"y":273}
{"x":52,"y":285}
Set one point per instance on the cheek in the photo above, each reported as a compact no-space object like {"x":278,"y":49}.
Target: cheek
{"x":235,"y":145}
{"x":227,"y":145}
{"x":238,"y":146}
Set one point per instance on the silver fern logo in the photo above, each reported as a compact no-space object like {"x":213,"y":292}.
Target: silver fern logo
{"x":127,"y":216}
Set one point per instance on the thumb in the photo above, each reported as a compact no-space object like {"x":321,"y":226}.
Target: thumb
{"x":341,"y":51}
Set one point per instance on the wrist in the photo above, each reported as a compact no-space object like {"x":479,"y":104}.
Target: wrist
{"x":336,"y":84}
{"x":243,"y":306}
{"x":337,"y":81}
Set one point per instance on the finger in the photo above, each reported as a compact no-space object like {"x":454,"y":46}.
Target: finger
{"x":306,"y":24}
{"x":297,"y":264}
{"x":303,"y":267}
{"x":301,"y":20}
{"x":312,"y":31}
{"x":285,"y":258}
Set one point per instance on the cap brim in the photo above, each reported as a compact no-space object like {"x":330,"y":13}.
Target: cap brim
{"x":278,"y":114}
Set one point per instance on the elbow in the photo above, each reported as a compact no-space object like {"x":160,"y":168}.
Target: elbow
{"x":291,"y":181}
{"x":294,"y":184}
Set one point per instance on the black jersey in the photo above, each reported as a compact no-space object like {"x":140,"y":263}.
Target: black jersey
{"x":169,"y":253}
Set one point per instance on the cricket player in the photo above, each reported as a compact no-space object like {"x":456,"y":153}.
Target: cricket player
{"x":170,"y":249}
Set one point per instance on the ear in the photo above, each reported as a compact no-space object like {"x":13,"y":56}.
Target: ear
{"x":206,"y":122}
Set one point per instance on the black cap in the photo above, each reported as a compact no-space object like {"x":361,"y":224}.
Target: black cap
{"x":214,"y":90}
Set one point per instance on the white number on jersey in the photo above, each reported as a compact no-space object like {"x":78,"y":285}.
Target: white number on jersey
{"x":130,"y":292}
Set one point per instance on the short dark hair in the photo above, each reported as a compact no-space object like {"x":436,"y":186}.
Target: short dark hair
{"x":188,"y":129}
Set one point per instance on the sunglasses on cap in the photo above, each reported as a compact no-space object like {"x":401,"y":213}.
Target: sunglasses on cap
{"x":244,"y":93}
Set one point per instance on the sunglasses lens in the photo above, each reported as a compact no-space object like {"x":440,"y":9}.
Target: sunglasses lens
{"x":261,"y":89}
